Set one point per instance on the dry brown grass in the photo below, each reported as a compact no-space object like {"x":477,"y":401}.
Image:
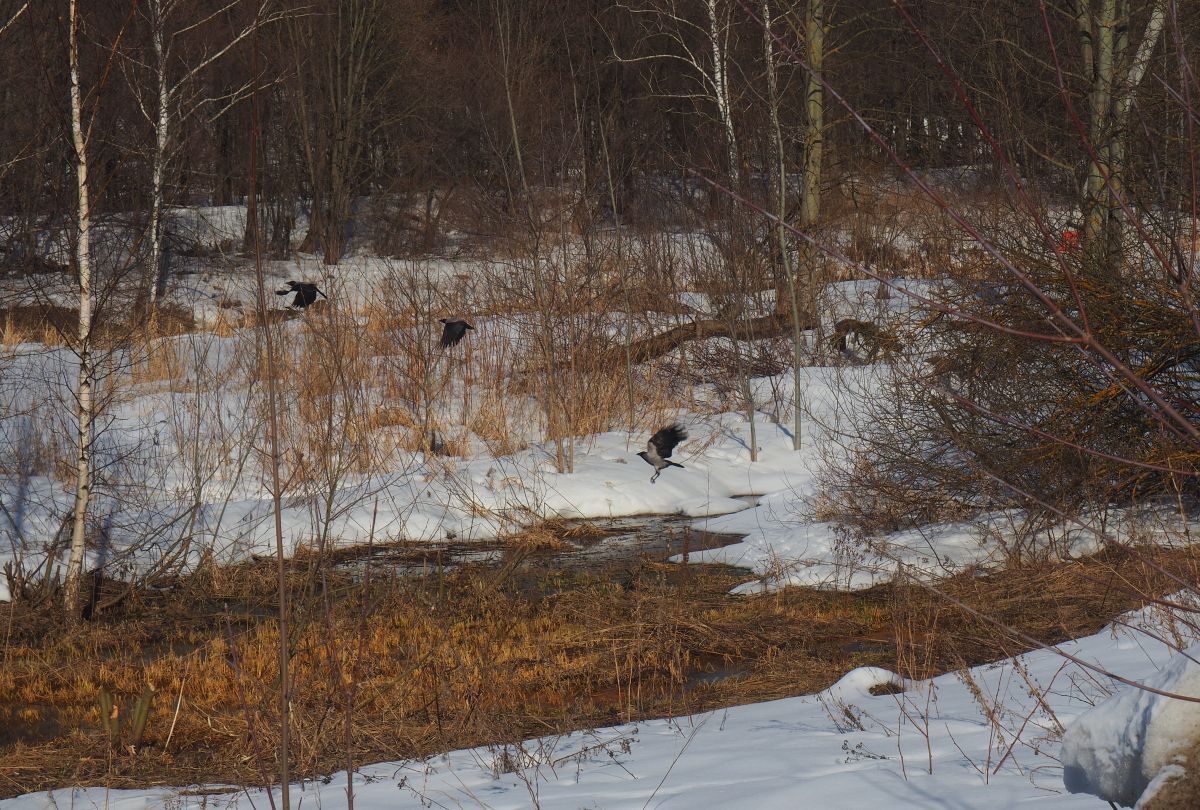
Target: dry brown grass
{"x":53,"y":325}
{"x":160,"y":360}
{"x":460,"y":658}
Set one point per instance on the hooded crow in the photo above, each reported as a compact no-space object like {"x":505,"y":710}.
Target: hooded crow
{"x":306,"y":293}
{"x":453,"y":330}
{"x":659,"y":448}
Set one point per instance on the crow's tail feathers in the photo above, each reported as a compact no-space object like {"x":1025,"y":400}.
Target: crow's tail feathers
{"x":673,"y":464}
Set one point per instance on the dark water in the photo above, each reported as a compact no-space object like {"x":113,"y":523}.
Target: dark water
{"x":39,"y":723}
{"x":597,"y":547}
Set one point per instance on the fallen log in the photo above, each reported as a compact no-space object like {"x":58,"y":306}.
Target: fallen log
{"x":641,"y":351}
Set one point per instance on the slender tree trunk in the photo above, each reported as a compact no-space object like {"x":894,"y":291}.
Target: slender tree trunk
{"x":718,"y":40}
{"x":550,"y":391}
{"x":748,"y":398}
{"x":1114,"y":80}
{"x":779,"y":181}
{"x":814,"y":142}
{"x":1124,"y":95}
{"x":628,"y":331}
{"x":312,"y":151}
{"x":1101,"y":25}
{"x":814,"y":128}
{"x":83,"y":459}
{"x":337,"y":83}
{"x":156,"y":274}
{"x":250,"y":237}
{"x":255,"y":244}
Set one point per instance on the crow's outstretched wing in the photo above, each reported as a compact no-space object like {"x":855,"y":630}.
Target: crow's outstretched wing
{"x":453,"y":331}
{"x":664,"y":441}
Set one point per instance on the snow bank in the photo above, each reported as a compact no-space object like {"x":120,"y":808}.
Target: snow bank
{"x":858,"y":683}
{"x":1116,"y":749}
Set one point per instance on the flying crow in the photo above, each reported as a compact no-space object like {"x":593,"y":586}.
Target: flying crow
{"x":453,"y":331}
{"x":659,"y":448}
{"x":305,"y":293}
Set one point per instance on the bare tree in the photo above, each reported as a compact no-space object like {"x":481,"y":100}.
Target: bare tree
{"x":790,"y":297}
{"x":171,"y":97}
{"x":814,"y":127}
{"x":267,"y":338}
{"x":1113,"y":80}
{"x":9,"y":162}
{"x":345,"y":67}
{"x":84,"y":414}
{"x":701,"y":49}
{"x":518,"y":47}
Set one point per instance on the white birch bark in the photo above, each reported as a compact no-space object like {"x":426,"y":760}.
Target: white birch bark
{"x":1113,"y":88}
{"x":84,"y":392}
{"x":718,"y":35}
{"x":1125,"y":93}
{"x":169,"y":104}
{"x":162,"y":123}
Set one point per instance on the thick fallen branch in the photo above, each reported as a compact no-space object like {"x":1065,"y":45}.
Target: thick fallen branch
{"x":640,"y":351}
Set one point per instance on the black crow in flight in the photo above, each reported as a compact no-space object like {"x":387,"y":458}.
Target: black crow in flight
{"x":453,"y":331}
{"x":659,"y":448}
{"x":306,"y":293}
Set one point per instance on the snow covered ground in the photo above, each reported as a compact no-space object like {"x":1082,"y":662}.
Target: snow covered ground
{"x":480,"y":496}
{"x":984,"y":739}
{"x":180,"y":458}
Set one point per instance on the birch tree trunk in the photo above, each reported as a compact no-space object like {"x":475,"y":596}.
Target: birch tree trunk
{"x":84,"y":392}
{"x":718,"y":34}
{"x":1113,"y":84}
{"x":1097,"y":29}
{"x":167,"y":104}
{"x":157,"y":278}
{"x":1124,"y":93}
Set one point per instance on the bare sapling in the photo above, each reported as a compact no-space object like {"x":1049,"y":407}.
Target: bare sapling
{"x":265,"y":329}
{"x":84,"y":413}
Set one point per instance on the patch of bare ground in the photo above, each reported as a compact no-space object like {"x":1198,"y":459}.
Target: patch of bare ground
{"x":387,"y":667}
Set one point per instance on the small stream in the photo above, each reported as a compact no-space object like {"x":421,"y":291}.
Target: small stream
{"x":612,"y":549}
{"x":600,"y":545}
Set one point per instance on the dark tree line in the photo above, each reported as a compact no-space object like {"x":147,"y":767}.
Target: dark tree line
{"x":367,"y":97}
